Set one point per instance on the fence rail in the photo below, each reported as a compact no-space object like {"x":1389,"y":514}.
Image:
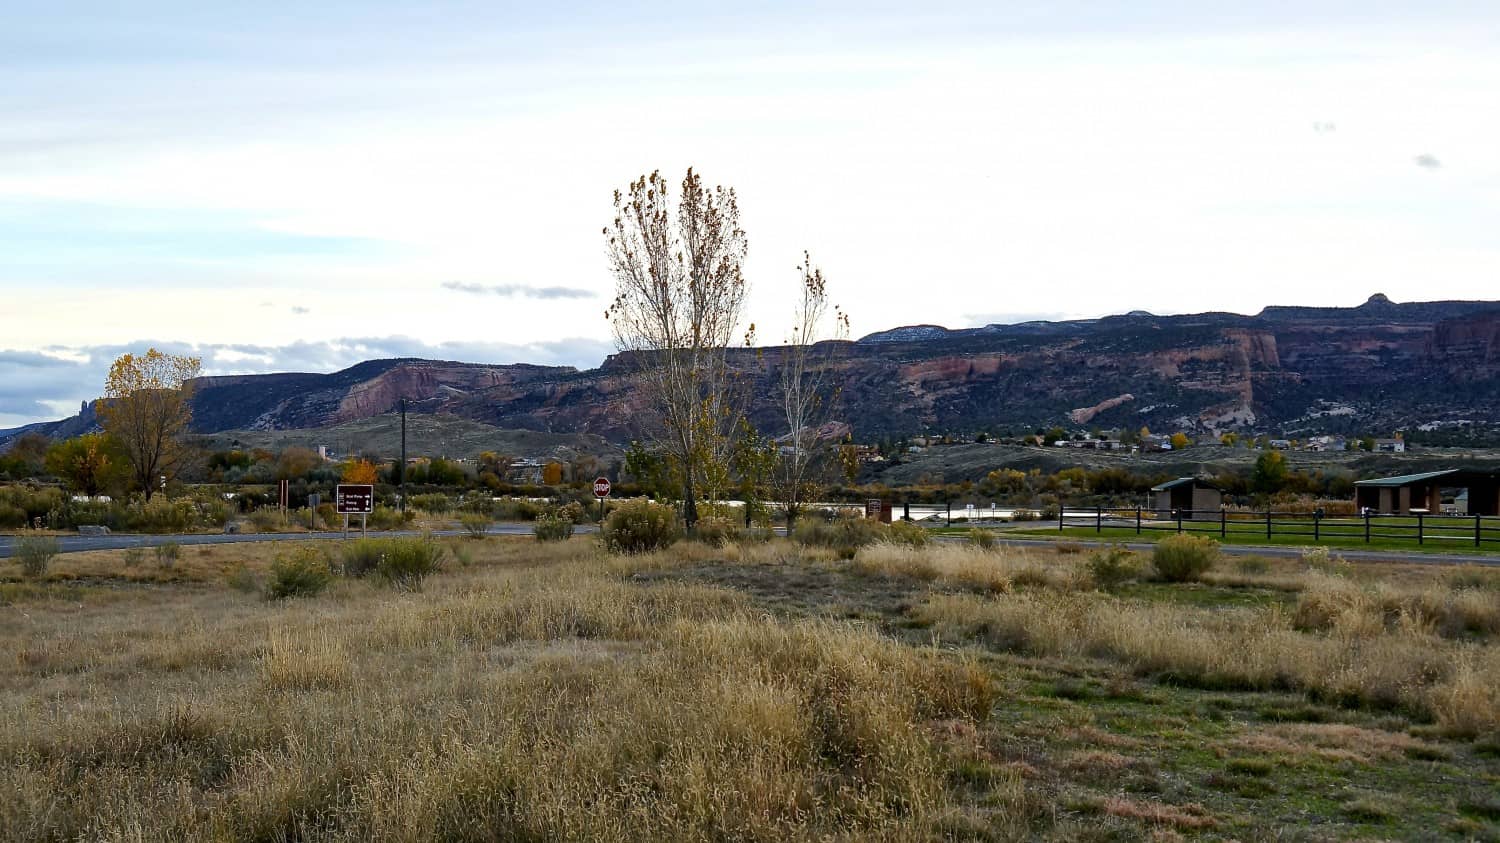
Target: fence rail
{"x":1421,"y":528}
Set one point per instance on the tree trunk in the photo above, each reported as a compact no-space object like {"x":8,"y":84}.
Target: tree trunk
{"x":689,"y":503}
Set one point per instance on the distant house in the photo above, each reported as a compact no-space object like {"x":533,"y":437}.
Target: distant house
{"x":1281,"y":444}
{"x":1197,"y":500}
{"x":1390,"y":446}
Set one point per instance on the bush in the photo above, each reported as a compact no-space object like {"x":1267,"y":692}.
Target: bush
{"x":476,"y":524}
{"x":553,"y":528}
{"x":361,"y":556}
{"x":329,"y":517}
{"x":716,"y":530}
{"x":35,"y":553}
{"x":517,"y":509}
{"x":388,"y":518}
{"x":135,"y":556}
{"x":1184,"y":558}
{"x":573,"y":511}
{"x":1023,"y":515}
{"x":167,"y":554}
{"x":844,"y":535}
{"x":301,"y":573}
{"x":268,"y":520}
{"x":11,"y":516}
{"x":907,"y":533}
{"x":640,"y":527}
{"x":1113,"y":566}
{"x":405,"y":562}
{"x":982,"y":539}
{"x":436,"y":504}
{"x":1323,"y":561}
{"x":242,"y":579}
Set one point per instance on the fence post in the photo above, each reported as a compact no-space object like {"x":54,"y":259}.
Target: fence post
{"x":1476,"y":531}
{"x":1268,"y":523}
{"x":1178,"y":513}
{"x":1138,"y":519}
{"x":1062,"y":509}
{"x":1367,"y":526}
{"x":1223,"y":523}
{"x":1098,"y":519}
{"x":1317,"y":527}
{"x":1419,"y":528}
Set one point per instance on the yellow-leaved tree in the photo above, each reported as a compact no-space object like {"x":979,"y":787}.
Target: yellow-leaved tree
{"x":147,"y":406}
{"x":360,"y":472}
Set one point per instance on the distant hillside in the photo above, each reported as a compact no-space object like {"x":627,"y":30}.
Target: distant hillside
{"x":1376,"y":368}
{"x":426,"y":435}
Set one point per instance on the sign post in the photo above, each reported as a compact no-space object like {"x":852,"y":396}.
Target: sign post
{"x":601,"y":491}
{"x":354,"y":499}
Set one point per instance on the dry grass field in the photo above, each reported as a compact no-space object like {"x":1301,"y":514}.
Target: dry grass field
{"x":761,"y":692}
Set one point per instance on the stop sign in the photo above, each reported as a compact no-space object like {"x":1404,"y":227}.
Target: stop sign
{"x":601,"y":487}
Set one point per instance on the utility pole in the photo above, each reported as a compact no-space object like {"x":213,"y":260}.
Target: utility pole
{"x":401,"y":466}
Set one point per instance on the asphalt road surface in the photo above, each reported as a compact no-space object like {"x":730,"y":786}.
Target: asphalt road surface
{"x":75,"y":544}
{"x":120,"y":541}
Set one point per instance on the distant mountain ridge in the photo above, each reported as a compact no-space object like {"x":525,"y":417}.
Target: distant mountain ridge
{"x":1378,"y":367}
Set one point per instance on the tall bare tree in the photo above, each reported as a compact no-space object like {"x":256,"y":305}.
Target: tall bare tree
{"x":146,"y":407}
{"x":807,"y":390}
{"x":679,"y":298}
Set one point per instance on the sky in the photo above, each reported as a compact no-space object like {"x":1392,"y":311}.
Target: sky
{"x":302,"y":186}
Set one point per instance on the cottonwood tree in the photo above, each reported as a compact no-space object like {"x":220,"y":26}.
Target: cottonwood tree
{"x":146,"y":408}
{"x":679,"y":298}
{"x":806,"y":387}
{"x":87,"y":464}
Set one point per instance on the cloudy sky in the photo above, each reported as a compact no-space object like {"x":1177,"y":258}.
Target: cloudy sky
{"x":278,"y":187}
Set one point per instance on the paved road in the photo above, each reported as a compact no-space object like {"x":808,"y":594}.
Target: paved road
{"x":76,"y":544}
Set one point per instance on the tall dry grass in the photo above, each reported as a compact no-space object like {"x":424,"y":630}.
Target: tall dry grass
{"x":512,"y":703}
{"x":1404,"y":665}
{"x":969,"y":566}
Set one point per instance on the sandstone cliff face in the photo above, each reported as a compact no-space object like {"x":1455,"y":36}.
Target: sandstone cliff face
{"x":1379,"y":367}
{"x":1469,"y":346}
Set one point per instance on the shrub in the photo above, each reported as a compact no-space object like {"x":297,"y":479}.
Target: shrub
{"x":302,"y":572}
{"x":907,"y":533}
{"x":11,"y":516}
{"x":1320,"y":559}
{"x":361,"y":556}
{"x":436,"y":504}
{"x":640,"y":527}
{"x":716,"y":530}
{"x":982,"y":539}
{"x":135,"y":556}
{"x":405,"y":562}
{"x":1023,"y":515}
{"x":389,"y":518}
{"x":1184,"y":558}
{"x":573,"y":511}
{"x":329,"y":517}
{"x":1113,"y":566}
{"x":553,"y":528}
{"x":476,"y":524}
{"x":167,"y":554}
{"x":242,"y":579}
{"x":268,"y":520}
{"x":845,"y":535}
{"x":35,"y":553}
{"x":517,"y":509}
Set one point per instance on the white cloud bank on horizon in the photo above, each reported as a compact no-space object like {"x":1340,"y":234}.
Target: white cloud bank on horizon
{"x":50,"y":384}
